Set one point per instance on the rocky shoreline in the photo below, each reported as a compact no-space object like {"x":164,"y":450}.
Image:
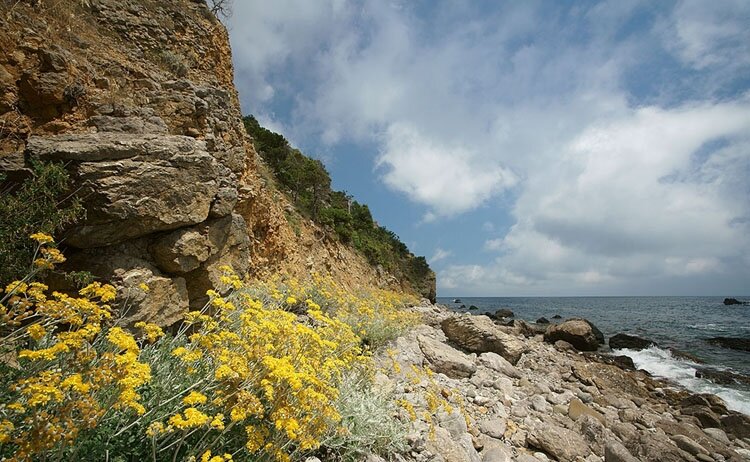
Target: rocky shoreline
{"x":511,"y":393}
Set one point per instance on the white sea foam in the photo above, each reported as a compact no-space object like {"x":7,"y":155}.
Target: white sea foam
{"x":661,"y":363}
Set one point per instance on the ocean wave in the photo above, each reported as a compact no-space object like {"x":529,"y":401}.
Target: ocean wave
{"x":661,"y":363}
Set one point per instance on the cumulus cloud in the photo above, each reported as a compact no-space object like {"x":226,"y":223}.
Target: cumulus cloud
{"x":448,"y":179}
{"x":609,"y":183}
{"x":658,"y":193}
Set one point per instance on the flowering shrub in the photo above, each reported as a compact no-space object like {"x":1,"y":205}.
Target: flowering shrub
{"x":257,"y":373}
{"x":376,"y":316}
{"x":69,"y":375}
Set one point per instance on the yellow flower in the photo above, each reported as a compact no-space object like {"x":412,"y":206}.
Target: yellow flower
{"x":291,"y":300}
{"x":122,"y":339}
{"x":36,"y":331}
{"x":52,"y":255}
{"x":218,"y":422}
{"x":152,"y":331}
{"x":194,"y":398}
{"x":18,"y":407}
{"x":155,"y":429}
{"x":75,"y":382}
{"x":192,"y":418}
{"x":42,"y":238}
{"x":144,"y":287}
{"x":6,"y":427}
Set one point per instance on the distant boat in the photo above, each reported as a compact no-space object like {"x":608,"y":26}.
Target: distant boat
{"x":456,"y":300}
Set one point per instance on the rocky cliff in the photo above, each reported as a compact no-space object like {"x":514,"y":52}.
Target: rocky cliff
{"x":137,"y":99}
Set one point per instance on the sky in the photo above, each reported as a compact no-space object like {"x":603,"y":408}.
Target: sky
{"x":535,"y":148}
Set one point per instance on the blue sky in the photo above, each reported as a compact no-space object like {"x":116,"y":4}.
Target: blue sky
{"x":525,"y":148}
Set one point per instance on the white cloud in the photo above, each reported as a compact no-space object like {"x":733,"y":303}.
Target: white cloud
{"x":645,"y":194}
{"x":448,"y":179}
{"x":440,"y":254}
{"x":707,"y":34}
{"x":512,"y":105}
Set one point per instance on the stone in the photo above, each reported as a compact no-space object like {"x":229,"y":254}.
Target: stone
{"x":717,"y":434}
{"x":181,"y":251}
{"x":656,"y":447}
{"x":736,"y":424}
{"x":446,"y":359}
{"x":733,"y":343}
{"x":542,"y":320}
{"x":134,"y":184}
{"x":578,"y":332}
{"x":452,"y":448}
{"x":478,"y":334}
{"x":504,"y":313}
{"x":494,"y":427}
{"x":708,"y":400}
{"x":164,"y":304}
{"x":562,"y":345}
{"x":616,"y":452}
{"x":563,"y":444}
{"x":704,"y":414}
{"x":496,"y":454}
{"x":624,"y":362}
{"x":521,"y":327}
{"x":593,"y":431}
{"x":630,"y":342}
{"x":526,"y":458}
{"x":576,"y":409}
{"x":733,"y":301}
{"x":499,"y":364}
{"x":454,"y":422}
{"x":688,"y":445}
{"x":539,"y":404}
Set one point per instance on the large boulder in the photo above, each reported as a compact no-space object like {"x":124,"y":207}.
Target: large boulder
{"x":446,"y":359}
{"x":733,"y":343}
{"x":503,"y":313}
{"x":733,"y":301}
{"x":134,"y":184}
{"x":580,"y":333}
{"x":479,"y":334}
{"x":630,"y":342}
{"x":563,"y":444}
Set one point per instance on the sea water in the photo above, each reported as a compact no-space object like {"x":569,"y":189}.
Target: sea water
{"x":683,"y":323}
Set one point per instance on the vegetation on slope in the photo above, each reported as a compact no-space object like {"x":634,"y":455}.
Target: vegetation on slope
{"x":41,"y":203}
{"x":272,"y":372}
{"x":308,"y":185}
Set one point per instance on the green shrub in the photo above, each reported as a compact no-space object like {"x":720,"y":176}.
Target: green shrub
{"x":308,"y":185}
{"x":42,"y":203}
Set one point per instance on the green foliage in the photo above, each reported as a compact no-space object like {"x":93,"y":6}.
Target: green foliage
{"x":42,"y":203}
{"x":308,"y":184}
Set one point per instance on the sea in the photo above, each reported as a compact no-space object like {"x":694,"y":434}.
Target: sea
{"x":683,"y":323}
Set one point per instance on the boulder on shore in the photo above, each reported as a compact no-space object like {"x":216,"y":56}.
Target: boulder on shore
{"x":503,"y":313}
{"x":557,"y":316}
{"x":445,"y":359}
{"x":580,"y":333}
{"x":478,"y":334}
{"x":542,"y":320}
{"x":733,"y":343}
{"x":630,"y":342}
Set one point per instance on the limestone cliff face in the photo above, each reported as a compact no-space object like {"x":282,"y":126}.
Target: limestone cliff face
{"x":137,"y":99}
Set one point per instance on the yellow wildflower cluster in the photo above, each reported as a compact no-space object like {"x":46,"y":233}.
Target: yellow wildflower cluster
{"x":67,"y":377}
{"x":256,"y":373}
{"x":376,"y":316}
{"x":269,"y":371}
